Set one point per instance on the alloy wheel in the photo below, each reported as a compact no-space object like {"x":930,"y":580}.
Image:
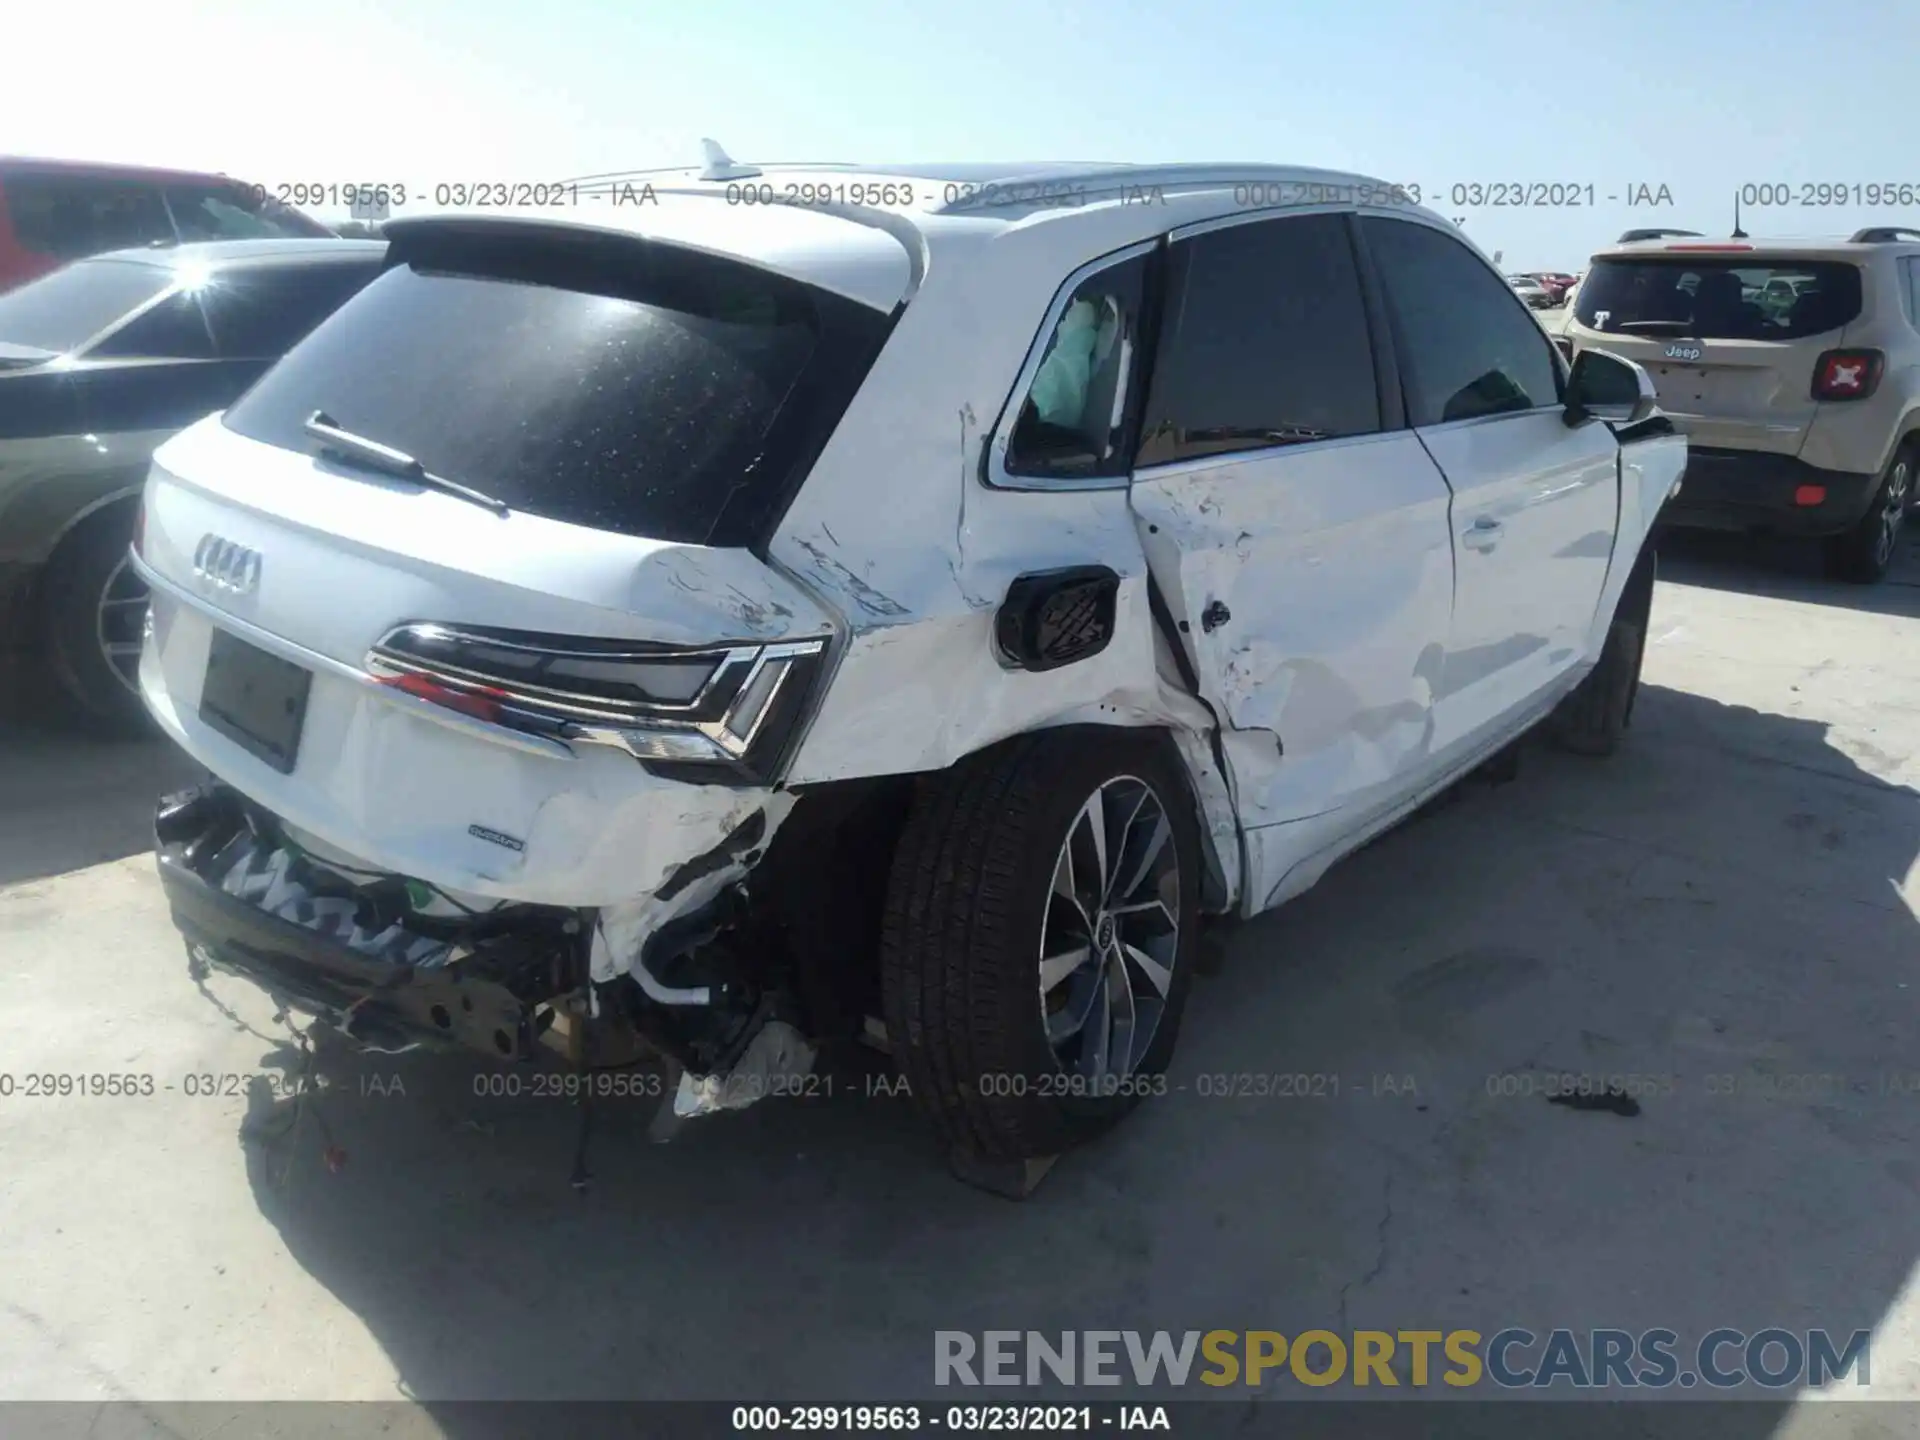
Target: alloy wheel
{"x":120,"y":620}
{"x":1110,"y":935}
{"x":1893,"y":510}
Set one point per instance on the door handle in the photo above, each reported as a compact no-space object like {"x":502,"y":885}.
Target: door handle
{"x":1483,"y":534}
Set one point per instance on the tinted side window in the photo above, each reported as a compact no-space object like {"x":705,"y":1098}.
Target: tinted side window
{"x":1263,"y":342}
{"x":74,"y":216}
{"x":1071,"y":421}
{"x":260,"y":314}
{"x":63,"y":310}
{"x":213,"y":211}
{"x":1912,"y":267}
{"x":1468,"y":346}
{"x":175,"y":329}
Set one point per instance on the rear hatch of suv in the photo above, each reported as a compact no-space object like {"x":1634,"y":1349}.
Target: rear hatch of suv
{"x":476,"y":641}
{"x":1730,"y":335}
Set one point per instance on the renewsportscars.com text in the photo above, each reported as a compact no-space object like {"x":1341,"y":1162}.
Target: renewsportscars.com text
{"x":1512,"y":1358}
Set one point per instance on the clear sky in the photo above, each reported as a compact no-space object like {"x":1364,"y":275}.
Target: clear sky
{"x":1701,"y":96}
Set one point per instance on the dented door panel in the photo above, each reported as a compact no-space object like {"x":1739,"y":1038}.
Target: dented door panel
{"x":1331,"y":566}
{"x":1534,"y":509}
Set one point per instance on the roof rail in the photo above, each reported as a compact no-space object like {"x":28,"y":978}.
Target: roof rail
{"x":1632,"y":235}
{"x":1883,"y":234}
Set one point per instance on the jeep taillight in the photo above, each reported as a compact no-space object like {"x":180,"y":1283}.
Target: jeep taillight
{"x":1847,"y":374}
{"x":730,"y":708}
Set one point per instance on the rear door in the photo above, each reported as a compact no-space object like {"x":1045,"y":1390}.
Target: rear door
{"x":1297,"y":529}
{"x":1729,"y":338}
{"x":1534,"y":502}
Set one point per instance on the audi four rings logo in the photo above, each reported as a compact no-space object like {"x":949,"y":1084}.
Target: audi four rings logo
{"x":232,"y":567}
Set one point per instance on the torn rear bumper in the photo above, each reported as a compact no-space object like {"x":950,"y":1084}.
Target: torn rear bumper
{"x":495,"y":995}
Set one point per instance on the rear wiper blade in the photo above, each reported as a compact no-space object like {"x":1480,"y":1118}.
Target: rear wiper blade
{"x":1678,"y":327}
{"x":388,"y":460}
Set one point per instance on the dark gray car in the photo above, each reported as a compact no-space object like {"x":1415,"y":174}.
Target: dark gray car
{"x":100,"y":362}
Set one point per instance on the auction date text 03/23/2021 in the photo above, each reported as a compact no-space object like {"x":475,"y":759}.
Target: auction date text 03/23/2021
{"x":391,"y":195}
{"x":887,"y":193}
{"x":1799,"y":1086}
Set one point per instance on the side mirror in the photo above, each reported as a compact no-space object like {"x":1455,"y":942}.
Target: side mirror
{"x":1603,"y":386}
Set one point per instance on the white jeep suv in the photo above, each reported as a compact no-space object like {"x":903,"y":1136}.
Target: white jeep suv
{"x":1793,"y":368}
{"x":714,"y":630}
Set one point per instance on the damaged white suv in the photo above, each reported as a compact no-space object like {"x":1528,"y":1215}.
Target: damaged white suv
{"x":713,"y":630}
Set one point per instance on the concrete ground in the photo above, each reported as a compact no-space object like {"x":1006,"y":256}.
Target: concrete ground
{"x":1728,"y":905}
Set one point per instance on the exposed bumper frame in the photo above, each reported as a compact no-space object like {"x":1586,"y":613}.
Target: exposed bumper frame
{"x":375,"y":1004}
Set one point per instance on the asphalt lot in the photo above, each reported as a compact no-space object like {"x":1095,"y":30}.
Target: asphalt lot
{"x":1733,"y":895}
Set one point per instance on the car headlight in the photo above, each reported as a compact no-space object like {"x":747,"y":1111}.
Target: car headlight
{"x":714,"y":712}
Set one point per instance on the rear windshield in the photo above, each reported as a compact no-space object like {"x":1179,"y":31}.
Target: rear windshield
{"x":62,"y":311}
{"x":605,"y":382}
{"x":1719,"y":299}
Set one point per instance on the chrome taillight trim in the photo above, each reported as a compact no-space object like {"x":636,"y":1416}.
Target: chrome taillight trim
{"x":568,"y":704}
{"x":697,"y":730}
{"x":636,"y":739}
{"x":390,"y":654}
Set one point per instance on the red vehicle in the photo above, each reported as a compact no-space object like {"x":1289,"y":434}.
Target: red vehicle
{"x":1556,"y":282}
{"x":53,"y":211}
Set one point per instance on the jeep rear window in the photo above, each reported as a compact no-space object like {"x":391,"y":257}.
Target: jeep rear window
{"x":605,"y":381}
{"x":1719,"y":299}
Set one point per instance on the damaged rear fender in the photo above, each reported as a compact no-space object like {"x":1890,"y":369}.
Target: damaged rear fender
{"x":625,"y":932}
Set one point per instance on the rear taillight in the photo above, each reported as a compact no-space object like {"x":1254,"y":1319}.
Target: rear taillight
{"x":482,"y":702}
{"x":1847,"y":374}
{"x":730,"y":709}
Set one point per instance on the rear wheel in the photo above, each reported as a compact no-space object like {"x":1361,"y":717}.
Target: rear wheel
{"x":96,"y":610}
{"x":1865,"y":553}
{"x":1038,"y":938}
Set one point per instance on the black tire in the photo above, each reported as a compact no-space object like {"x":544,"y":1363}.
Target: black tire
{"x":1591,"y":720}
{"x":962,"y":933}
{"x":87,"y":561}
{"x":1864,"y":554}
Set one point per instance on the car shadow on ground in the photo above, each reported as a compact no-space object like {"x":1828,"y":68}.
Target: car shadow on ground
{"x":1789,"y":570}
{"x":72,"y":799}
{"x":1359,"y":1132}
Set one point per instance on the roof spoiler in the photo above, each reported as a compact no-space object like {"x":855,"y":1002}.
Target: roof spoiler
{"x":1883,"y":235}
{"x":1633,"y":235}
